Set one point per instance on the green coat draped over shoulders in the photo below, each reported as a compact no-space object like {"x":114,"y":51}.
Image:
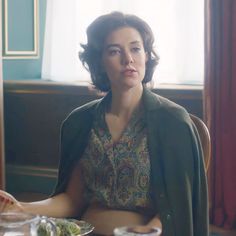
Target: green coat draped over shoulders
{"x":178,"y":181}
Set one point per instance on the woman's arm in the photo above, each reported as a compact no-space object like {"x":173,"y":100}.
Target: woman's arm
{"x":56,"y":206}
{"x":67,"y":204}
{"x":155,"y":222}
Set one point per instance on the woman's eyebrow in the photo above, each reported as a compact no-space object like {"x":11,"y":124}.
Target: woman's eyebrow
{"x":135,"y":42}
{"x":112,"y":45}
{"x":118,"y":45}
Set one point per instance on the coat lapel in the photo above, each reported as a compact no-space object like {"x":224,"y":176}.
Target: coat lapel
{"x":153,"y":106}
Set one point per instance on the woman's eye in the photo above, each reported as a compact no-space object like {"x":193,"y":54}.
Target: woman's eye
{"x":113,"y":52}
{"x":136,"y":49}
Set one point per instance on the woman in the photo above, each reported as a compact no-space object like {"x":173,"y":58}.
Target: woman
{"x":132,"y":157}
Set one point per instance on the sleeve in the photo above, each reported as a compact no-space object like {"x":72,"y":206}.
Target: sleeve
{"x":200,"y":189}
{"x":75,"y":132}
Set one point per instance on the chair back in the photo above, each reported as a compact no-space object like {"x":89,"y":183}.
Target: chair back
{"x":205,"y":139}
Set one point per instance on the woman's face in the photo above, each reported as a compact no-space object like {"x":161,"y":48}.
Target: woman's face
{"x":124,"y":58}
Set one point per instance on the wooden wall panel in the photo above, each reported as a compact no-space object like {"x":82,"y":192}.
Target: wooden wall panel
{"x":33,"y":115}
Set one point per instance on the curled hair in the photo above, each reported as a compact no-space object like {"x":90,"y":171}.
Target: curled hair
{"x":98,"y":30}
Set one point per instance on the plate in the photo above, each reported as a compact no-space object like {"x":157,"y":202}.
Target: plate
{"x":137,"y":231}
{"x":85,"y":227}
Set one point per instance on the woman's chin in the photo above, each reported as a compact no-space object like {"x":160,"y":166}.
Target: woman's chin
{"x":131,"y":83}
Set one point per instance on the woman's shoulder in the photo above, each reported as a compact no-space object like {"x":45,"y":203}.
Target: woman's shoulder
{"x":173,"y":109}
{"x":87,"y":107}
{"x":84,"y":112}
{"x":167,"y":109}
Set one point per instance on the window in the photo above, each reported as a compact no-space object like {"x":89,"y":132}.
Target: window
{"x":177,"y":26}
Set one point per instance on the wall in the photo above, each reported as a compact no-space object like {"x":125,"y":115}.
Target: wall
{"x":18,"y":69}
{"x":34,"y":111}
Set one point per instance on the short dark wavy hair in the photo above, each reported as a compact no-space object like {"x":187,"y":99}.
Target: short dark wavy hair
{"x":98,"y":30}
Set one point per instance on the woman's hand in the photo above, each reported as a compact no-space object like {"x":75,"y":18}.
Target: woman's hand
{"x":9,"y":203}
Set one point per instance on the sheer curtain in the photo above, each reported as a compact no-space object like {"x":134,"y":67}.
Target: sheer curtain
{"x":177,"y":25}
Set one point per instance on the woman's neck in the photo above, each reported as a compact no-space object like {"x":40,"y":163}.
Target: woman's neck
{"x":125,"y":102}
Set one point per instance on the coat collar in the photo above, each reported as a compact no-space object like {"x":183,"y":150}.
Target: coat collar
{"x":151,"y":101}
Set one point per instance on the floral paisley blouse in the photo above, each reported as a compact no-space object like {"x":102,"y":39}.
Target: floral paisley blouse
{"x":117,"y":175}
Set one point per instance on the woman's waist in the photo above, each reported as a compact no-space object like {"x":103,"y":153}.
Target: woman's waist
{"x":97,"y":207}
{"x":143,"y":206}
{"x":106,"y":219}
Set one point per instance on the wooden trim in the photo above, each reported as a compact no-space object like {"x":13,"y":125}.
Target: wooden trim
{"x":47,"y":87}
{"x":32,"y":171}
{"x":30,"y":179}
{"x":2,"y":158}
{"x":86,"y":89}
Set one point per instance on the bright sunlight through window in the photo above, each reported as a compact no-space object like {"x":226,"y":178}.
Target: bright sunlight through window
{"x":177,"y":26}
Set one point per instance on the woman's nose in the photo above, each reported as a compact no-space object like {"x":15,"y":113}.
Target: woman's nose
{"x":127,"y":58}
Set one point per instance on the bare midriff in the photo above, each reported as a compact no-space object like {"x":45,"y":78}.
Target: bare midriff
{"x":105,"y":220}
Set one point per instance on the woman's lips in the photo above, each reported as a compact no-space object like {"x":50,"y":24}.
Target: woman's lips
{"x":129,"y":72}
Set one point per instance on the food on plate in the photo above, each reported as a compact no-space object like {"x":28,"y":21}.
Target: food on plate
{"x":64,"y":228}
